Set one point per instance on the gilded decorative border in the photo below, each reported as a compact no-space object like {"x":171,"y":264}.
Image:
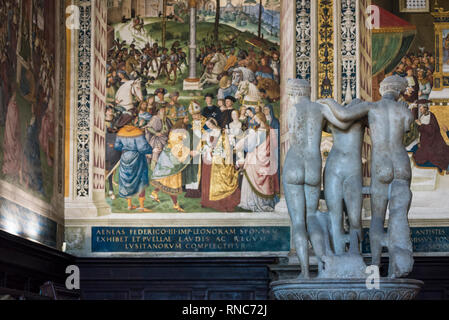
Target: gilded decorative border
{"x":325,"y":49}
{"x":394,"y":29}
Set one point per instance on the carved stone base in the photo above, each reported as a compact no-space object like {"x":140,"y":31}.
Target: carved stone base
{"x":192,"y":85}
{"x":354,"y":289}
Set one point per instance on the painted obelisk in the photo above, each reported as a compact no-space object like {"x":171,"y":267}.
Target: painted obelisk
{"x":192,"y":82}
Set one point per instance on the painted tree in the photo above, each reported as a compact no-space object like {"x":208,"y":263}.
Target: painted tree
{"x":260,"y":19}
{"x":259,"y":32}
{"x":164,"y":22}
{"x":217,"y":21}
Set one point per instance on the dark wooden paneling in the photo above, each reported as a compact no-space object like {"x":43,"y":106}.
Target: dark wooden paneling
{"x":188,"y":279}
{"x":25,"y":266}
{"x":434,"y":271}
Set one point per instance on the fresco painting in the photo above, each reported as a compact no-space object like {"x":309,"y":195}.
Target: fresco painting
{"x":446,"y":50}
{"x":211,"y":149}
{"x":423,"y":66}
{"x":27,"y":88}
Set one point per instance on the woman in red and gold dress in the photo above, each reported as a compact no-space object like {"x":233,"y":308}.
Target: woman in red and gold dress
{"x":219,"y":178}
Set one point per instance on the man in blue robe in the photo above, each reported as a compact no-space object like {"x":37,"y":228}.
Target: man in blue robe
{"x":133,"y":172}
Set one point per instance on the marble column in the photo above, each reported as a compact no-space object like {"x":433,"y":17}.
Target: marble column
{"x":288,"y":65}
{"x":192,"y":82}
{"x":364,"y":52}
{"x":192,"y":44}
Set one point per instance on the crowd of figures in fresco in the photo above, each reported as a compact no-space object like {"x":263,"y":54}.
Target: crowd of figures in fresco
{"x":26,"y":92}
{"x":222,"y":148}
{"x":425,"y":139}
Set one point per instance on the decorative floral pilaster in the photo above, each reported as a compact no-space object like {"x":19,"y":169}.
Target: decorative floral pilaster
{"x":325,"y":49}
{"x":348,"y":44}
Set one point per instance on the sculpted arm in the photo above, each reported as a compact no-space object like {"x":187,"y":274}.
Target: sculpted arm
{"x":347,"y":114}
{"x":329,"y":116}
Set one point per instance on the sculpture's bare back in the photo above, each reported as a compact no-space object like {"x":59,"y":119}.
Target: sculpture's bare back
{"x":388,"y":120}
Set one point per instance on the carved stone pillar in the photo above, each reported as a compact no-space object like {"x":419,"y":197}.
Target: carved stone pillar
{"x":290,"y":56}
{"x":364,"y":55}
{"x":85,"y":107}
{"x":288,"y":65}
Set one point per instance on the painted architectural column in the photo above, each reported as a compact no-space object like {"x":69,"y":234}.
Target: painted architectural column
{"x":288,"y":65}
{"x":364,"y":73}
{"x":85,"y":110}
{"x":364,"y":52}
{"x":303,"y":40}
{"x":298,"y":52}
{"x":192,"y":44}
{"x":440,"y":90}
{"x":333,"y":51}
{"x":347,"y":40}
{"x":192,"y":82}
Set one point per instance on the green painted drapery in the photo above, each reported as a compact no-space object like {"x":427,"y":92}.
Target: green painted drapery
{"x":391,"y":41}
{"x":389,"y":48}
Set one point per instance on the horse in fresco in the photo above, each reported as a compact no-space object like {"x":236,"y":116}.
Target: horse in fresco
{"x":248,"y":94}
{"x":218,"y":61}
{"x":128,"y":92}
{"x":242,"y":74}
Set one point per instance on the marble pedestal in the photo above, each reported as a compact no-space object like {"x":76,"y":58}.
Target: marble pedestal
{"x":345,"y":289}
{"x":191,"y":85}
